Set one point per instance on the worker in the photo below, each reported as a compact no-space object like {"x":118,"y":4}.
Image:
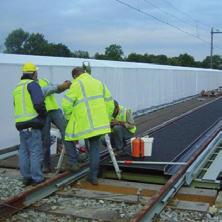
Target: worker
{"x":123,"y":126}
{"x":30,"y":114}
{"x":85,"y":107}
{"x":54,"y":116}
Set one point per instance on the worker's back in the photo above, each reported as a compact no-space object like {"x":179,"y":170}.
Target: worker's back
{"x":88,"y":114}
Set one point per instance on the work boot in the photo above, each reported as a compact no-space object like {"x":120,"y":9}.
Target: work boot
{"x":83,"y":157}
{"x":35,"y":183}
{"x":27,"y":181}
{"x":73,"y":168}
{"x":93,"y":181}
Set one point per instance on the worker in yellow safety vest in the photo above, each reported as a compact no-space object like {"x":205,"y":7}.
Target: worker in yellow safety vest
{"x":54,"y":116}
{"x":123,"y":126}
{"x":87,"y":106}
{"x":30,"y":114}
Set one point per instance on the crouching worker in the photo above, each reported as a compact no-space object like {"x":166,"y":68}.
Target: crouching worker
{"x":122,"y":125}
{"x":30,"y":114}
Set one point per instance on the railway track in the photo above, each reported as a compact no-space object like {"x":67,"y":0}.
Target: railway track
{"x":69,"y":197}
{"x":111,"y":201}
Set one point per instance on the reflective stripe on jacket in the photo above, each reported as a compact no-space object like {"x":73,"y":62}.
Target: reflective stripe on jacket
{"x":23,"y":106}
{"x":122,"y":117}
{"x":50,"y":101}
{"x":85,"y":107}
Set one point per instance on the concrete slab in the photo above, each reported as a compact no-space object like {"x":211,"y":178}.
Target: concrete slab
{"x":187,"y":205}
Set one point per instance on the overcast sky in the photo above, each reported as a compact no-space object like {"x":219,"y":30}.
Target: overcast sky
{"x":92,"y":25}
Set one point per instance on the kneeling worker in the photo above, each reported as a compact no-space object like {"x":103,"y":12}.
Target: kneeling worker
{"x":123,"y":126}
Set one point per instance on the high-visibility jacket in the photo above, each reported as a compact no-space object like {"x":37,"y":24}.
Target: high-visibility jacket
{"x":50,"y":101}
{"x":85,"y":109}
{"x":122,"y":117}
{"x":23,"y":106}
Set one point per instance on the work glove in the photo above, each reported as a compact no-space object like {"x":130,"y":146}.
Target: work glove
{"x":65,"y":85}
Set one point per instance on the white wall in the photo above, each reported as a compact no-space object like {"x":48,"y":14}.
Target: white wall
{"x":134,"y":85}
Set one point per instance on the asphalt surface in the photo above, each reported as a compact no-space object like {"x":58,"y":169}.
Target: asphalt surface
{"x":172,"y":139}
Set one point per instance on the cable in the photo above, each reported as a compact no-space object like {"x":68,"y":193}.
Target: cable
{"x":172,"y":15}
{"x":160,"y":20}
{"x":186,"y":14}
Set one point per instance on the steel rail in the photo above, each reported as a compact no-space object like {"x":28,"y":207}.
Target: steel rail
{"x":158,"y":201}
{"x":30,"y":196}
{"x":129,"y":162}
{"x":155,"y":108}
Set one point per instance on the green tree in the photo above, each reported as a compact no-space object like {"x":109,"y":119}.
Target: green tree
{"x":59,"y":50}
{"x":114,"y":52}
{"x":21,"y":42}
{"x":173,"y":61}
{"x":198,"y":64}
{"x":100,"y":56}
{"x":150,"y":58}
{"x":186,"y":60}
{"x":157,"y":59}
{"x":35,"y":45}
{"x":161,"y":59}
{"x":217,"y":62}
{"x":134,"y":57}
{"x":80,"y":54}
{"x":14,"y":43}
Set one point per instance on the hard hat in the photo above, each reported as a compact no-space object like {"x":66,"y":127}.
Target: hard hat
{"x":29,"y":67}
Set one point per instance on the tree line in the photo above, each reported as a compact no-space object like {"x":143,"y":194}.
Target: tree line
{"x":21,"y":42}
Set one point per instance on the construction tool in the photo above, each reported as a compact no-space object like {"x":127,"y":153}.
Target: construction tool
{"x":110,"y":149}
{"x":61,"y":157}
{"x":113,"y":158}
{"x":86,"y":66}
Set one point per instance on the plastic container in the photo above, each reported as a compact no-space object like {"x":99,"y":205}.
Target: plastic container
{"x":137,"y":147}
{"x":54,"y":136}
{"x":148,"y":145}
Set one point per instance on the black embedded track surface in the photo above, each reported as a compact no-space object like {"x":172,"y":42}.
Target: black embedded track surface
{"x":172,"y":139}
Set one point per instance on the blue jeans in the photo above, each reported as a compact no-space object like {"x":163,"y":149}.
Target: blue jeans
{"x":94,"y":149}
{"x":31,"y":154}
{"x":56,"y":117}
{"x":119,"y":135}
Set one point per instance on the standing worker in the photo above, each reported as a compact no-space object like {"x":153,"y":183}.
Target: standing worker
{"x":30,"y":114}
{"x":54,"y":116}
{"x":123,"y":126}
{"x":86,"y":106}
